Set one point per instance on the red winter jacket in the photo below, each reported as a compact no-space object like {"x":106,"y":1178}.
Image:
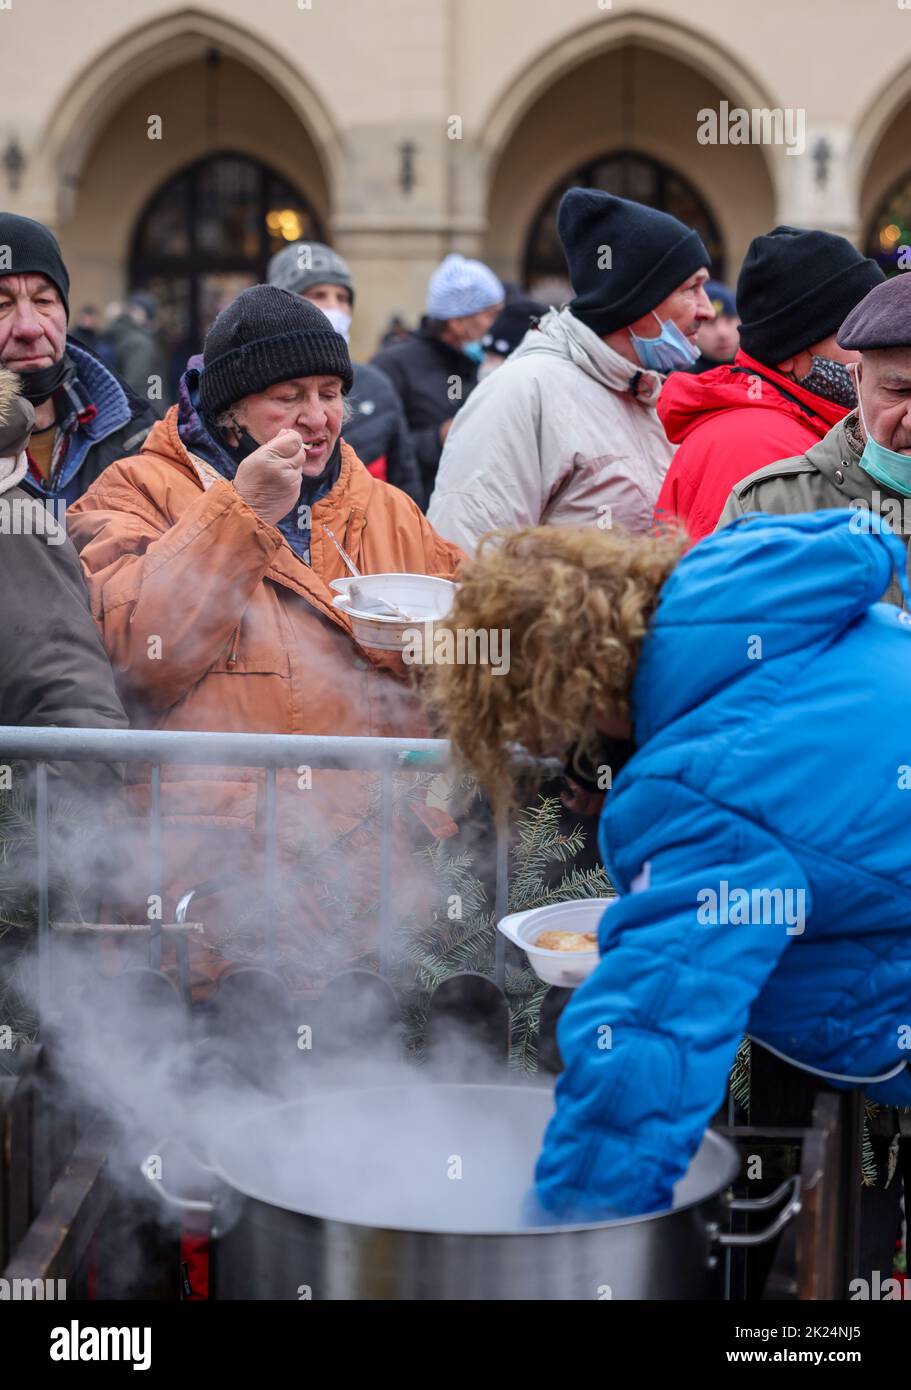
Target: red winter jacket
{"x":728,"y":424}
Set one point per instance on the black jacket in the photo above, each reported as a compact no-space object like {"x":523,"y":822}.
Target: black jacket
{"x":378,"y":430}
{"x":138,"y":357}
{"x":433,"y":381}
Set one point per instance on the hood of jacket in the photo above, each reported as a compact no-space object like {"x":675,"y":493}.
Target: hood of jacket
{"x":17,"y":418}
{"x":561,"y":334}
{"x":817,"y":573}
{"x":686,"y":401}
{"x":17,"y":415}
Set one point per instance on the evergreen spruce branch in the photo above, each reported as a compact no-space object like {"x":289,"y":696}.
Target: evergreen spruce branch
{"x":454,"y":875}
{"x":540,"y":843}
{"x":739,"y":1081}
{"x":526,"y":1026}
{"x":467,"y":947}
{"x":579,"y":884}
{"x":868,"y":1174}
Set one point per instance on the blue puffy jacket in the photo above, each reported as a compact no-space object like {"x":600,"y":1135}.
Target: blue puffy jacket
{"x":772,"y":713}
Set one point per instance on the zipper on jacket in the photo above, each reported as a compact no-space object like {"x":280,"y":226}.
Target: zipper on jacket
{"x":235,"y":643}
{"x":353,"y":534}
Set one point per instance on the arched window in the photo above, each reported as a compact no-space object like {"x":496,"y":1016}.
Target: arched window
{"x":629,"y":175}
{"x":888,"y":239}
{"x":206,"y":235}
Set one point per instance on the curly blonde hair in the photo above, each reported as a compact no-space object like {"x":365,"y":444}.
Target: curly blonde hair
{"x":576,"y":604}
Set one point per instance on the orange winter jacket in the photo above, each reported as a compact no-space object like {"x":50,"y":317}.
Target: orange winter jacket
{"x":212,"y":622}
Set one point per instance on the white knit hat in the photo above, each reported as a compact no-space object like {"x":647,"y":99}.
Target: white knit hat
{"x":459,"y":287}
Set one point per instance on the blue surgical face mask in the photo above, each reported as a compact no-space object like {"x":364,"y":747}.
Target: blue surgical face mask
{"x":887,"y":466}
{"x":669,"y":352}
{"x":474,"y":350}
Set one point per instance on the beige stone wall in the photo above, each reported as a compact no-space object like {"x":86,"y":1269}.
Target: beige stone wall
{"x":327,"y":91}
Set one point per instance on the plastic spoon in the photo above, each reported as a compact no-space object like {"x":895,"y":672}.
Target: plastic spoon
{"x":372,"y":601}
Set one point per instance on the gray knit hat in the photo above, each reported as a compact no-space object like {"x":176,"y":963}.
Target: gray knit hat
{"x":267,"y":335}
{"x":299,"y":267}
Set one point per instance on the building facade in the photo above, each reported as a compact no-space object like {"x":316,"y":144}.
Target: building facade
{"x":174,"y":147}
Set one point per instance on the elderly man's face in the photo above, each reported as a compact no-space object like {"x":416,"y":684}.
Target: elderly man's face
{"x":471,"y":327}
{"x":885,"y":389}
{"x":311,"y":405}
{"x":32,"y":323}
{"x":689,"y":307}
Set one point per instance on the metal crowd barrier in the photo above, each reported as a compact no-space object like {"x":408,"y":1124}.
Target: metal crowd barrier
{"x":267,"y":752}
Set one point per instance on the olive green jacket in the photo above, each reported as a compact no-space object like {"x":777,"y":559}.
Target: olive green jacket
{"x":827,"y":476}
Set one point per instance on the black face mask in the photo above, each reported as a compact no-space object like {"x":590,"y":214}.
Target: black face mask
{"x":245,"y":446}
{"x":831,"y":380}
{"x":39,"y":386}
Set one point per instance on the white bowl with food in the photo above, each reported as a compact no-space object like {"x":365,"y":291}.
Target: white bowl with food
{"x":383,"y":608}
{"x":561,"y":941}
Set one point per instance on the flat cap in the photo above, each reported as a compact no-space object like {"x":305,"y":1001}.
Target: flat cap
{"x":882,"y":319}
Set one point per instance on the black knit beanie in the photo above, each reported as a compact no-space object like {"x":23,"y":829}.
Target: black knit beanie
{"x":796,"y":288}
{"x":31,"y":249}
{"x":267,"y":335}
{"x":511,"y":324}
{"x":624,"y":258}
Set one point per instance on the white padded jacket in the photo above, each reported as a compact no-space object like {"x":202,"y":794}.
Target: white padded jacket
{"x":553,"y":437}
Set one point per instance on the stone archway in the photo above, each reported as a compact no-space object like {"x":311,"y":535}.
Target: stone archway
{"x":591,"y":97}
{"x":880,"y":171}
{"x":627,"y":174}
{"x":169,"y":93}
{"x":205,"y":108}
{"x":206,"y":234}
{"x":106,"y":84}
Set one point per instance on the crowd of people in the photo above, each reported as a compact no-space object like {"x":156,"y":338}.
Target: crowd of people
{"x":650,"y":395}
{"x":647,"y":412}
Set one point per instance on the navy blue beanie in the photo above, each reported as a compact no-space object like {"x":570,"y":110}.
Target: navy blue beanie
{"x":624,"y":258}
{"x":796,"y":288}
{"x":722,"y":300}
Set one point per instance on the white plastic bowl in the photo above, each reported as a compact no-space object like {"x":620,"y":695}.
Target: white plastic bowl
{"x":423,"y":597}
{"x":564,"y":968}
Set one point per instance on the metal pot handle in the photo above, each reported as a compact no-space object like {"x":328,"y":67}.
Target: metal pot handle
{"x":169,"y":1198}
{"x":788,"y":1211}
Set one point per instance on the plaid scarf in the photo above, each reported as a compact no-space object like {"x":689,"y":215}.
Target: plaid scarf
{"x":72,"y":410}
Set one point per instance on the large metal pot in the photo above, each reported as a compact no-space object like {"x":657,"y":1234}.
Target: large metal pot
{"x":415,"y":1192}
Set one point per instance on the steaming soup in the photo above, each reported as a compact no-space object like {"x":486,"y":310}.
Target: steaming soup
{"x":419,"y":1157}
